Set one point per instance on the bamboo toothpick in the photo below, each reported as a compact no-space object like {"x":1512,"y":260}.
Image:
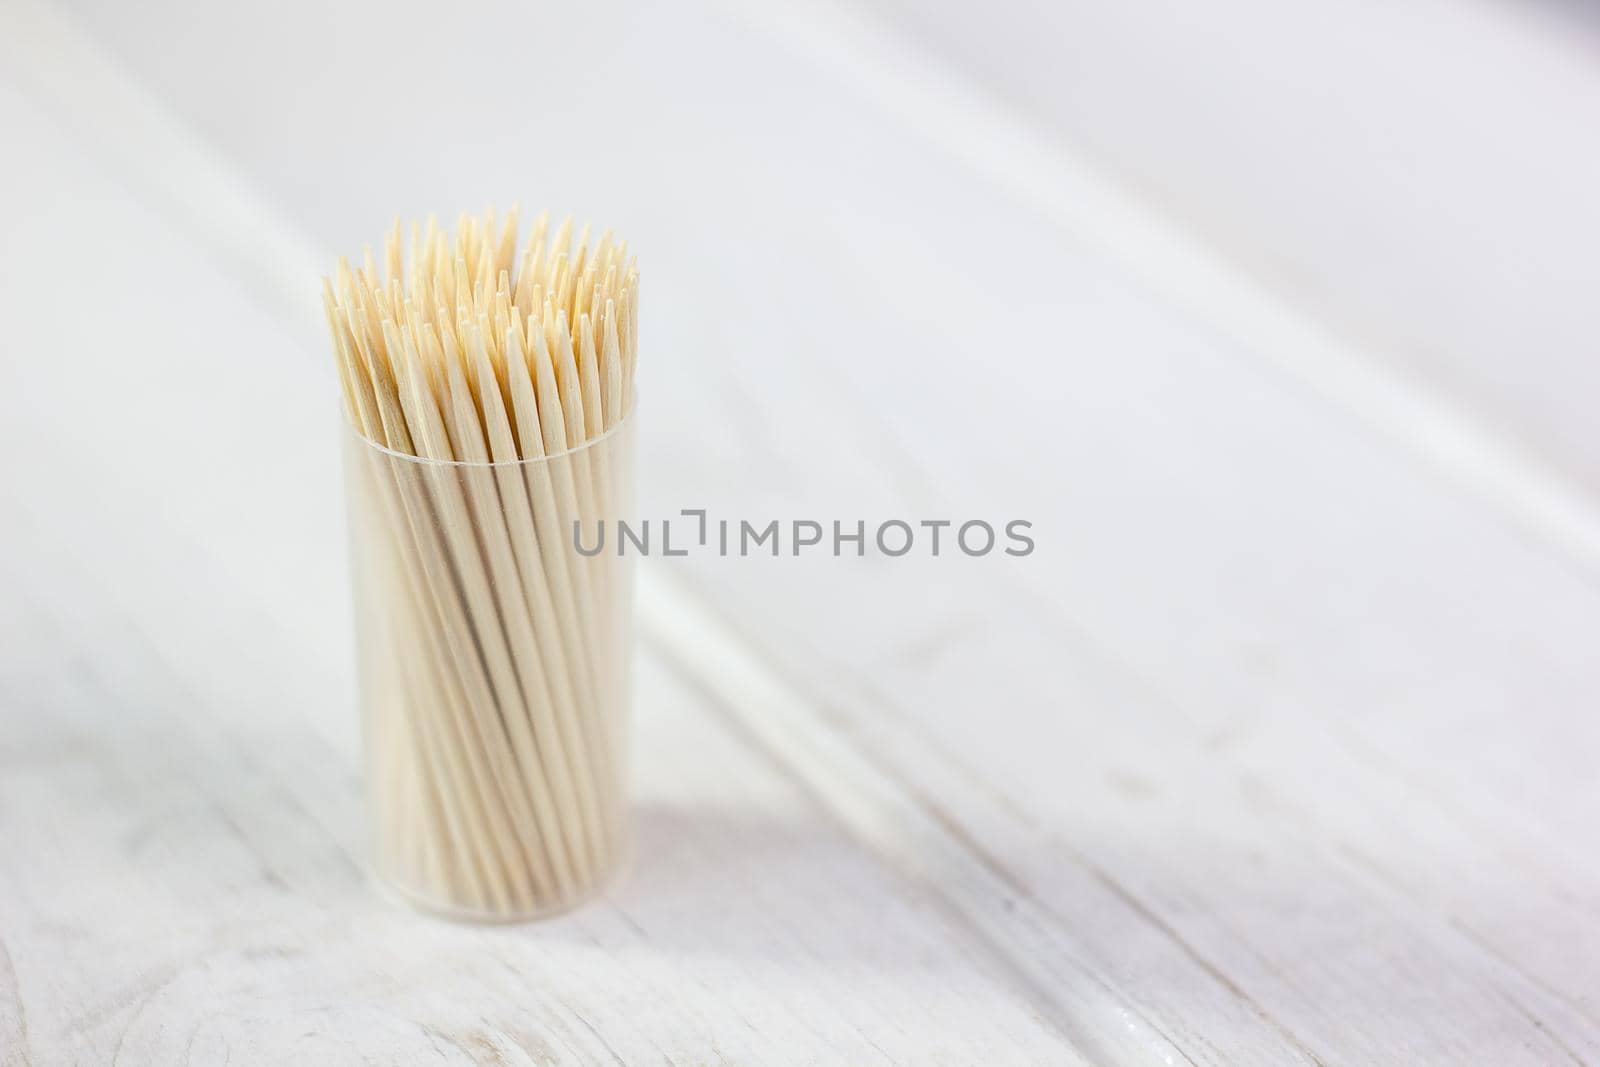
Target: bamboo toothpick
{"x":486,"y":382}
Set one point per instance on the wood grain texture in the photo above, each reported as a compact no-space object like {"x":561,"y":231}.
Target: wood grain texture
{"x":215,"y":908}
{"x":1275,"y":751}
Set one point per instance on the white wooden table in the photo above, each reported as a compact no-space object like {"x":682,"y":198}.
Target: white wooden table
{"x":1281,"y":748}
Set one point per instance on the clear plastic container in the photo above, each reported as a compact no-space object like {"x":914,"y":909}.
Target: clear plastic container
{"x":495,"y":661}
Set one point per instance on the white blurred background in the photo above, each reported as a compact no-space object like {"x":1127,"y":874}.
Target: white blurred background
{"x":1418,"y":177}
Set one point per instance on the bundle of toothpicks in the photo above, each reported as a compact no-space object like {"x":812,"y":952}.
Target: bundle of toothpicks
{"x":488,"y":390}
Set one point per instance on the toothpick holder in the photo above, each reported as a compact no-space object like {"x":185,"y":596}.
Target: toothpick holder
{"x":495,"y":660}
